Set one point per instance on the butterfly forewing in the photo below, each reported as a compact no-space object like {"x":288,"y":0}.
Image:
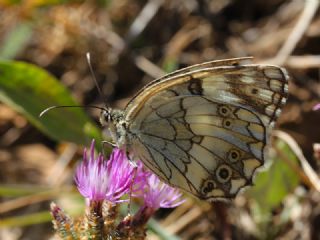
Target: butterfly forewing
{"x":205,"y":128}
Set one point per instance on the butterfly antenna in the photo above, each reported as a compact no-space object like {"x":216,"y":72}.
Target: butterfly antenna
{"x":93,"y":76}
{"x":54,"y":107}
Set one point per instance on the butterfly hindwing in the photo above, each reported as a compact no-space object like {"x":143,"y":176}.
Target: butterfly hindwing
{"x":205,"y":129}
{"x":187,"y":150}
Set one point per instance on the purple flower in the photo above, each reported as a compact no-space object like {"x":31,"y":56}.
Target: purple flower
{"x":160,"y":195}
{"x":98,"y":179}
{"x":316,"y":107}
{"x":140,"y":180}
{"x":122,"y":173}
{"x":156,"y":195}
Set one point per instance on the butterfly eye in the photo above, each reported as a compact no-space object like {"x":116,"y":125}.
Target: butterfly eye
{"x":105,"y":117}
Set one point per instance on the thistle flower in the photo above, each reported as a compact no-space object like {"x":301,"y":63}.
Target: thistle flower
{"x":103,"y":183}
{"x":156,"y":195}
{"x":98,"y":179}
{"x":62,"y":223}
{"x":316,"y":107}
{"x":121,"y":174}
{"x":140,"y":182}
{"x":160,"y":195}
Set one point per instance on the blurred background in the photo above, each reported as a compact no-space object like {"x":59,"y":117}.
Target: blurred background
{"x":42,"y":63}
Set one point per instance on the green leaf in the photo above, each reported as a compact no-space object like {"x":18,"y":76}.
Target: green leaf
{"x":16,"y":40}
{"x":274,"y":184}
{"x":29,"y":90}
{"x":25,"y":220}
{"x":18,"y":190}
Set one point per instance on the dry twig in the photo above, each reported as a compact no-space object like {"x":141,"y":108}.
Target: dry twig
{"x":298,"y":31}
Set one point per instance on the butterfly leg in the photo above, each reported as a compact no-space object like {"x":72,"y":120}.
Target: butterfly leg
{"x":105,"y":142}
{"x":131,"y":187}
{"x":108,"y":143}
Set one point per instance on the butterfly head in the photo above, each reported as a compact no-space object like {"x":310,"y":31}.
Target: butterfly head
{"x":109,"y":116}
{"x":105,"y":116}
{"x":113,"y":120}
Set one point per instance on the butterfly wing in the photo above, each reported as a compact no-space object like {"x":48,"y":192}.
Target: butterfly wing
{"x":205,"y":129}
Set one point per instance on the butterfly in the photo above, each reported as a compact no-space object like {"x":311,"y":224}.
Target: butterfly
{"x":205,"y":128}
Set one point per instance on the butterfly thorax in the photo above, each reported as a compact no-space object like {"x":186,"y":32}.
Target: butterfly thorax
{"x":114,"y":121}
